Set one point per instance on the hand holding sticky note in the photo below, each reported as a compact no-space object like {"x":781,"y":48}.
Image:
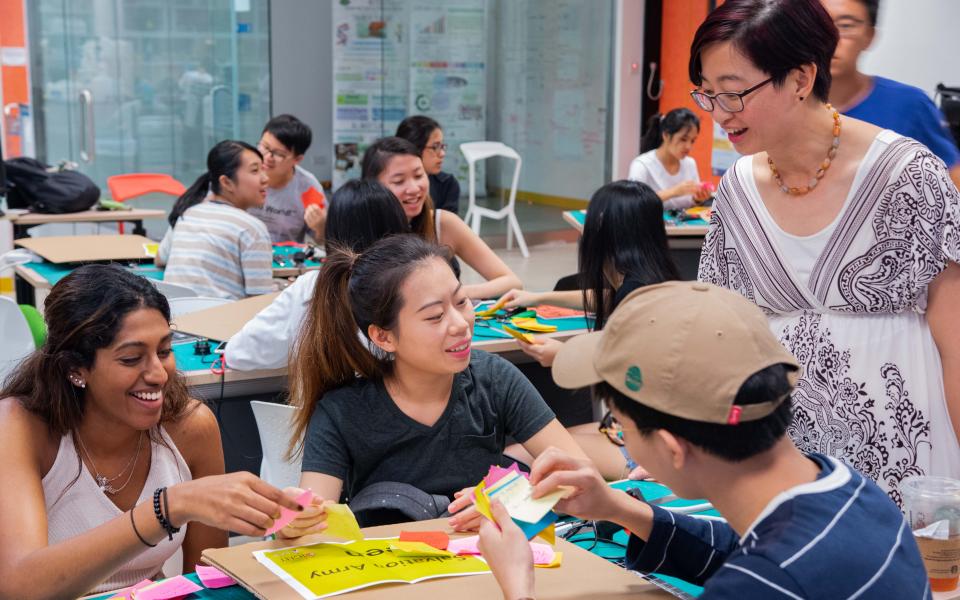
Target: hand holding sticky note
{"x":341,"y":522}
{"x":532,"y":515}
{"x":287,"y":515}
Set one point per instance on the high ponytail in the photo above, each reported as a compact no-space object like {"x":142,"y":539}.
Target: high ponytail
{"x":674,"y":121}
{"x":353,"y":292}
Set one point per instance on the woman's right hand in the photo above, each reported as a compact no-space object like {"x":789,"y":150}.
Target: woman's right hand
{"x":515,"y":298}
{"x":239,"y":502}
{"x":686,"y":188}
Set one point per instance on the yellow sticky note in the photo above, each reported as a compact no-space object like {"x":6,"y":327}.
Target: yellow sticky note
{"x":419,"y":548}
{"x":341,"y":522}
{"x":549,"y":535}
{"x":557,"y":559}
{"x":482,"y":502}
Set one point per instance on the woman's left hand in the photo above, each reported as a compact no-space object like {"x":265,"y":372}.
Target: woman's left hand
{"x":506,"y":550}
{"x":465,"y":517}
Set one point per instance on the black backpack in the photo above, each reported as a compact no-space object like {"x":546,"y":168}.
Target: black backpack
{"x":30,"y":185}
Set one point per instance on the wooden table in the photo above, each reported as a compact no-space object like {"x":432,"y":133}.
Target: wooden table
{"x":22,"y":221}
{"x":581,"y":575}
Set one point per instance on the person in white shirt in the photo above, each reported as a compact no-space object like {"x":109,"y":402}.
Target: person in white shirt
{"x":665,"y":163}
{"x":362,"y":212}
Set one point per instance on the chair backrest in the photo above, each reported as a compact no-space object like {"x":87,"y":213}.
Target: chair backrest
{"x":274,"y":424}
{"x":130,"y":185}
{"x":474,"y":151}
{"x":182,"y":306}
{"x":173,"y":290}
{"x":17,"y":340}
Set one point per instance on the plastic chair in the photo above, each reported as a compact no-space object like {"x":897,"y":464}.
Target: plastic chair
{"x":174,"y":290}
{"x":182,"y":306}
{"x":17,"y":340}
{"x":38,"y":327}
{"x":274,"y":424}
{"x":131,"y":185}
{"x":477,"y":151}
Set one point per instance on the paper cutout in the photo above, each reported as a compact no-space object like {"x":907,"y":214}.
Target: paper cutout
{"x":554,"y":563}
{"x":127,"y":593}
{"x":327,"y":569}
{"x":312,"y":196}
{"x":151,"y":249}
{"x":213,"y":578}
{"x":496,"y":473}
{"x":418,"y":549}
{"x":493,"y":309}
{"x":526,"y":338}
{"x":547,"y":311}
{"x":515,"y":493}
{"x":341,"y":522}
{"x":549,"y":535}
{"x":531,"y":324}
{"x":287,"y":515}
{"x":174,"y":587}
{"x":437,"y":539}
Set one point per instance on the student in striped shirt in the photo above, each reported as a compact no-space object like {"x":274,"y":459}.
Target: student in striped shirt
{"x":217,"y":248}
{"x":702,"y":389}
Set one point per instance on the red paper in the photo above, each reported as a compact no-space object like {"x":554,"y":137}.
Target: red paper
{"x":313,"y":196}
{"x":437,"y":539}
{"x":547,"y":311}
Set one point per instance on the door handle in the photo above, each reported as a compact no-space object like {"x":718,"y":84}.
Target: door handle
{"x":88,"y":142}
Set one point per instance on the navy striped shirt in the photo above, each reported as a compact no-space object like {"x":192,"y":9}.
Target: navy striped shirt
{"x":839,"y":536}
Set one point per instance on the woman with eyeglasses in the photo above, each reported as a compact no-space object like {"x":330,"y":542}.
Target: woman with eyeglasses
{"x":426,"y":134}
{"x":846,"y":235}
{"x":665,"y":163}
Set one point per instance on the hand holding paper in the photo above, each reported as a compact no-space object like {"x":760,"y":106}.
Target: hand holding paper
{"x":305,"y":499}
{"x":506,"y":550}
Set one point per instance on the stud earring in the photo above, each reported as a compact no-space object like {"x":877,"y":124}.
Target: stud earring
{"x":78,"y":382}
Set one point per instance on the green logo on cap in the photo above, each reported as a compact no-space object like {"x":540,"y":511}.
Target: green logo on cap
{"x":634,"y":380}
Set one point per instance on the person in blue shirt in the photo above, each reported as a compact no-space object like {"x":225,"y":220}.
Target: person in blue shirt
{"x":701,"y":388}
{"x":878,"y":100}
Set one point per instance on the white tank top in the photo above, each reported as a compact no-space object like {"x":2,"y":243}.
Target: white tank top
{"x":76,"y":505}
{"x":436,"y":222}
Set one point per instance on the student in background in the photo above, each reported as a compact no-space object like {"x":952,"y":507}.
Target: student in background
{"x":702,"y":389}
{"x":295,"y":200}
{"x":426,"y":134}
{"x":665,"y":163}
{"x":94,"y":422}
{"x":886,"y":103}
{"x":216,"y":247}
{"x":361,"y":212}
{"x":427,"y":412}
{"x":396,"y":164}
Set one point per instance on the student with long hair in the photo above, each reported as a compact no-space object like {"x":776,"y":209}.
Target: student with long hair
{"x":362,"y":211}
{"x":216,"y":247}
{"x":427,"y":135}
{"x":426,"y":411}
{"x":99,"y":440}
{"x":665,"y":163}
{"x":396,"y":163}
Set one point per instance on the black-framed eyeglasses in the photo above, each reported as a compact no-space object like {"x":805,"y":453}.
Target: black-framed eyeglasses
{"x":438,"y":147}
{"x":728,"y":101}
{"x":280,"y":156}
{"x":848,"y":26}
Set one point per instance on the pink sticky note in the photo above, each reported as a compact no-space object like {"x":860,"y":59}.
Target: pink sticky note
{"x":214,"y":578}
{"x":467,"y":545}
{"x":497,"y":473}
{"x":287,"y":515}
{"x":127,"y":593}
{"x":175,"y":587}
{"x":542,"y":553}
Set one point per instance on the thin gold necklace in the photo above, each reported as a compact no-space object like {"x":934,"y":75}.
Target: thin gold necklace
{"x":821,"y":171}
{"x":105,"y":482}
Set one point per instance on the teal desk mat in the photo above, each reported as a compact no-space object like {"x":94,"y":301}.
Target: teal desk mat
{"x":287,"y":252}
{"x":492,"y":329}
{"x":581,"y":217}
{"x":188,"y":361}
{"x":234,"y":592}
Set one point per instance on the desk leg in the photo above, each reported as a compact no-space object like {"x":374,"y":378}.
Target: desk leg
{"x":138,"y":228}
{"x":20,"y":231}
{"x":25,"y":292}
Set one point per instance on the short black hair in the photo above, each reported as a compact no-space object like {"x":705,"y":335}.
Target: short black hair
{"x":291,"y":132}
{"x":873,"y":8}
{"x":730,"y":442}
{"x":776,"y":35}
{"x":417,"y":130}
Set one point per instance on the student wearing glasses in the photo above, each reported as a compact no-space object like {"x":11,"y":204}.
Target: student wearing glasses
{"x":846,"y":235}
{"x":426,"y":134}
{"x":295,"y":202}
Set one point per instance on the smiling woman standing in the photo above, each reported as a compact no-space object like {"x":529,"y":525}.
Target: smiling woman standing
{"x":846,"y":235}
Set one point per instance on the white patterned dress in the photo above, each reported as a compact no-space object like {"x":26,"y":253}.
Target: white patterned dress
{"x":849,"y":303}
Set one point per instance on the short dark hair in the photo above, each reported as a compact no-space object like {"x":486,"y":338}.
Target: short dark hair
{"x":873,"y":8}
{"x":729,"y":442}
{"x":417,"y":130}
{"x":776,"y":35}
{"x":291,"y":132}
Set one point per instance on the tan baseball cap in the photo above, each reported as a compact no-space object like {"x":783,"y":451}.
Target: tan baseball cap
{"x":683,"y":348}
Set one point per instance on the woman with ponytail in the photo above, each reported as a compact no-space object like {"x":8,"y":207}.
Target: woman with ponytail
{"x":423,"y":412}
{"x":215,"y":247}
{"x":665,"y":163}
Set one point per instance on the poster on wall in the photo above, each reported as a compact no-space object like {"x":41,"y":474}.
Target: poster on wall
{"x":394,"y":58}
{"x":723,"y":153}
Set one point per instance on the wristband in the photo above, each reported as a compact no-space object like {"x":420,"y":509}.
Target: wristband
{"x":140,"y":537}
{"x":161,"y":517}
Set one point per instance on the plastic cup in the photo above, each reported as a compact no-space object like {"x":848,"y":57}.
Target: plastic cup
{"x":932,"y":507}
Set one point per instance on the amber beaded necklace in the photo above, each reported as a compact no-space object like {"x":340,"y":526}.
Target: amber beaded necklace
{"x":821,"y":171}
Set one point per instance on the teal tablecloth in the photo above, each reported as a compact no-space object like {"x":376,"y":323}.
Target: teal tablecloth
{"x":492,"y":329}
{"x":581,"y":217}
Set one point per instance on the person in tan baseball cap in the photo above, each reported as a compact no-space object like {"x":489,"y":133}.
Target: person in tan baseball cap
{"x":701,"y":388}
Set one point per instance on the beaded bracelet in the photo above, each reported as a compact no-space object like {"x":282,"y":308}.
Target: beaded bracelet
{"x":140,"y":537}
{"x":161,"y":518}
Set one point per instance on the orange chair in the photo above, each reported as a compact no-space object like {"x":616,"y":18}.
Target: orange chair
{"x":132,"y":185}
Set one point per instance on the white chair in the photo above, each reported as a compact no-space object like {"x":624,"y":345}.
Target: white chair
{"x":182,"y":306}
{"x":17,"y":341}
{"x":477,"y":151}
{"x":173,"y":290}
{"x":274,"y":424}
